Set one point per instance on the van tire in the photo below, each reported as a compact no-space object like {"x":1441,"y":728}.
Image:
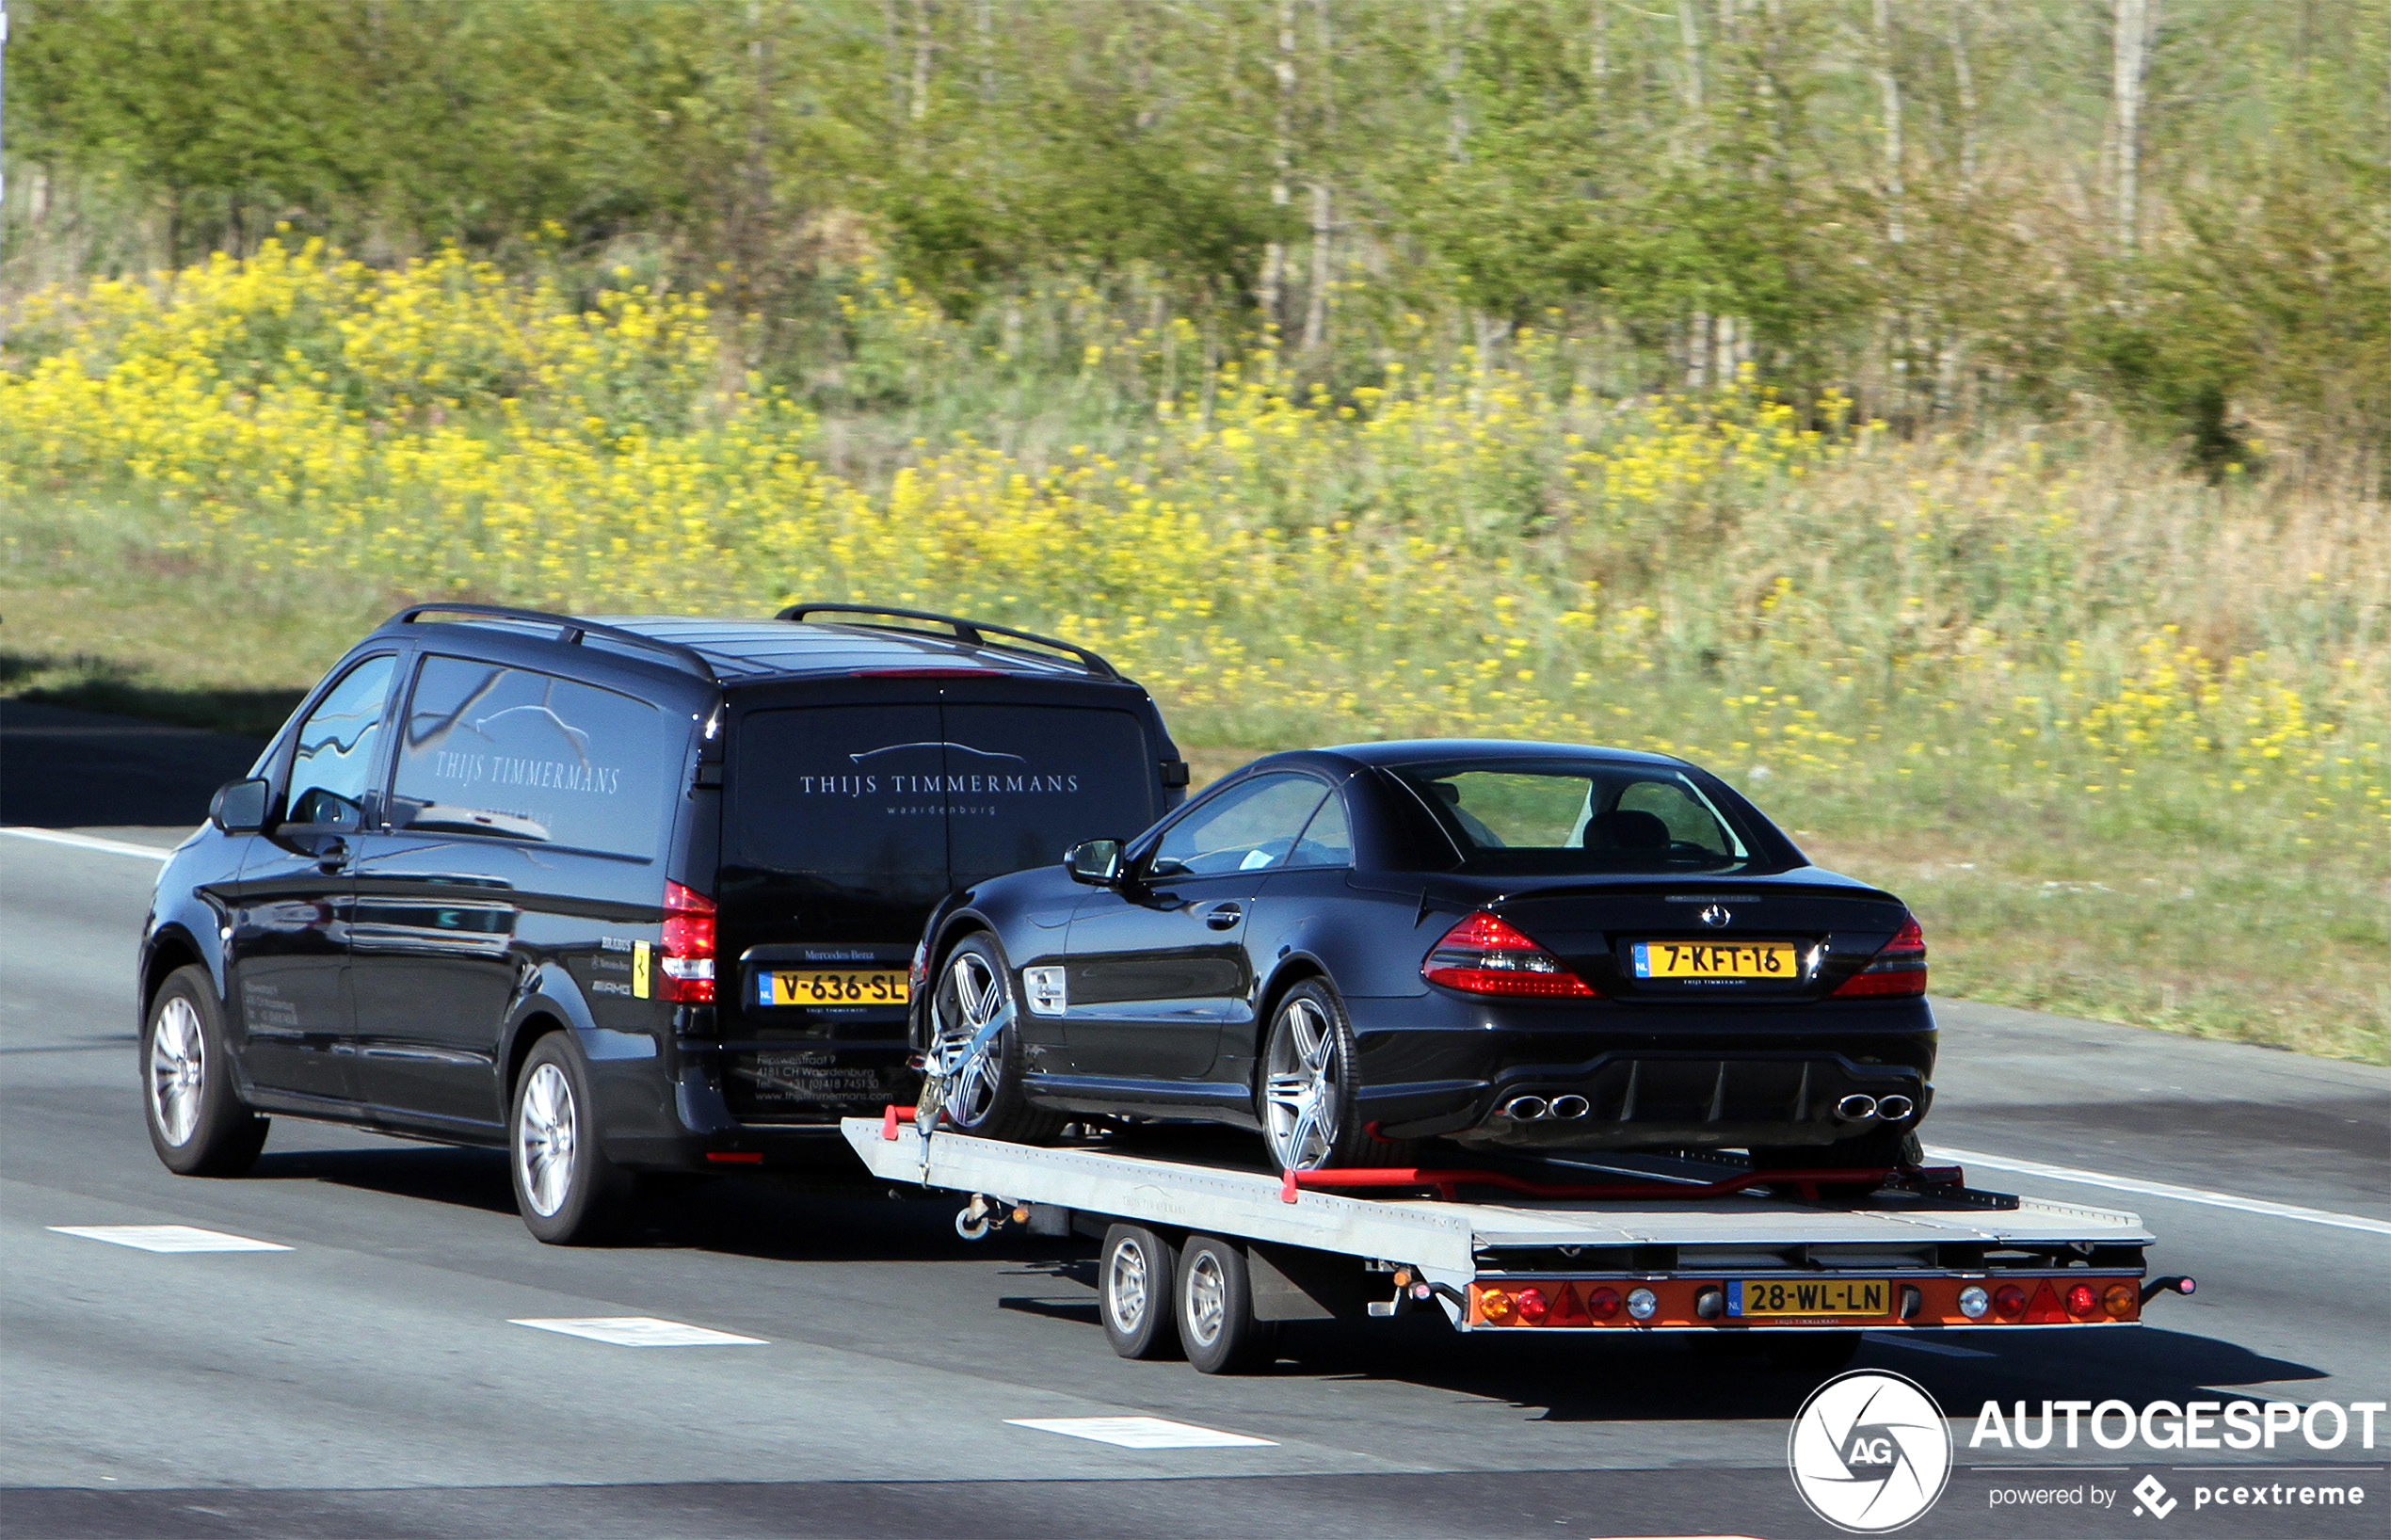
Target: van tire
{"x":985,"y":1100}
{"x":198,"y":1124}
{"x":568,"y":1193}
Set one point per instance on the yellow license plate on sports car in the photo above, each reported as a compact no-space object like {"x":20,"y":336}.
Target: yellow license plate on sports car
{"x":833,"y":986}
{"x":1809,"y":1296}
{"x":1717,"y":960}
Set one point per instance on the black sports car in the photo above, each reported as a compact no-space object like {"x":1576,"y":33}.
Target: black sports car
{"x":1518,"y":945}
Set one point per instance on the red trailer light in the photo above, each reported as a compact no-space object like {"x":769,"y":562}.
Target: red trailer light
{"x":2082,"y":1302}
{"x":2008,"y":1302}
{"x":1532,"y":1306}
{"x":1602,"y":1304}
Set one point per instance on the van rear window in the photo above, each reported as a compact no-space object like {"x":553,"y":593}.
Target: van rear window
{"x":956,"y":792}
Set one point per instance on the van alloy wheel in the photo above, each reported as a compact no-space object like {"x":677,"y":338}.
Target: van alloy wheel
{"x":544,"y":1140}
{"x":178,"y":1071}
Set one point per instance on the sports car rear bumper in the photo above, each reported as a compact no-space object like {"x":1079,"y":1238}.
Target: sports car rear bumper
{"x":1805,"y":1075}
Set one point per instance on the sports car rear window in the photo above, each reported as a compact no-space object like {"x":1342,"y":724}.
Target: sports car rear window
{"x":1591,"y":817}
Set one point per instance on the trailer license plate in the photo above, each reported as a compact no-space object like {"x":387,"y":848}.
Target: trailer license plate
{"x":1713,"y":960}
{"x":832,"y":987}
{"x":1809,"y":1296}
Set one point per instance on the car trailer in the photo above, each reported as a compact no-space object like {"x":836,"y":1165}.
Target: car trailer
{"x":1794,"y":1263}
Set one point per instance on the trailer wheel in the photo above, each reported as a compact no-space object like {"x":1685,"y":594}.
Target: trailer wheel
{"x":1134,"y":1290}
{"x":1216,"y":1299}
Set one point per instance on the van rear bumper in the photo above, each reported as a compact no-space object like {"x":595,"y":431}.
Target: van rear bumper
{"x":707,"y":1132}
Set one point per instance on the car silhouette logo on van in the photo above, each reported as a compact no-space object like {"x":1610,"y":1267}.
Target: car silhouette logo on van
{"x":1715,"y":915}
{"x":897,"y":749}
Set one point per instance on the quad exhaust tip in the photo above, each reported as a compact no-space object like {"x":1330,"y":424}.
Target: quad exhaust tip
{"x":1856,"y":1109}
{"x":1536,"y":1109}
{"x":1894,"y":1108}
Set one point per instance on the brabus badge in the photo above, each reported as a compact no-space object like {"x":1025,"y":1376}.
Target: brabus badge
{"x":1715,"y":915}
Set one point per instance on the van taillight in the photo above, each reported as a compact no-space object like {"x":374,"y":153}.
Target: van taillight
{"x":1485,"y":955}
{"x":1898,"y":967}
{"x":688,"y":949}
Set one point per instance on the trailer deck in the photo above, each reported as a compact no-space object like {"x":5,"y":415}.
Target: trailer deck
{"x":1922,"y":1253}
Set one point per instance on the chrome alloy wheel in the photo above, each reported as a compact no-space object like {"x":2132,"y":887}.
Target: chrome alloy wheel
{"x":178,"y":1071}
{"x":1129,"y":1286}
{"x":545,"y":1135}
{"x":967,"y":1052}
{"x":1300,"y":1094}
{"x":1207,"y":1302}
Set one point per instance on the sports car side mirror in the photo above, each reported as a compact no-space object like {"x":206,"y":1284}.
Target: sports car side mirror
{"x":239,"y":807}
{"x":1097,"y":863}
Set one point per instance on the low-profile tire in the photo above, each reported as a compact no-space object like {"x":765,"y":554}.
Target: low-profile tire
{"x":1311,"y":1113}
{"x":983,"y":1092}
{"x":568,"y":1193}
{"x":1134,"y":1283}
{"x":1213,"y":1302}
{"x":198,"y":1124}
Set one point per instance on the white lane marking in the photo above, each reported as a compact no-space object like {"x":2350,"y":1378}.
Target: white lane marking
{"x":2167,"y":1190}
{"x":1140,"y":1431}
{"x":89,"y":841}
{"x":166,"y":1238}
{"x":1920,"y":1344}
{"x":640,"y":1331}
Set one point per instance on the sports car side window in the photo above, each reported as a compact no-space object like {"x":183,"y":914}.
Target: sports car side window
{"x":1247,"y":828}
{"x":1327,"y":840}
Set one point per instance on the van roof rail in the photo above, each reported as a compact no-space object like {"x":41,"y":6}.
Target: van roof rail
{"x":973,"y":633}
{"x":569,"y":630}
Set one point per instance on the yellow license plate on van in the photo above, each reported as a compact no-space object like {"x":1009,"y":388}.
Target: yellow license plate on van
{"x":833,"y":986}
{"x":1717,"y":960}
{"x":1809,"y":1296}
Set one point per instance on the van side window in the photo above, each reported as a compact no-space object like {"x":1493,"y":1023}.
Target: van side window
{"x":522,"y":754}
{"x":332,"y":762}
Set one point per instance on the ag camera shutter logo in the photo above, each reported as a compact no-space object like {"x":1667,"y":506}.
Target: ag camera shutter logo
{"x":1870,"y":1452}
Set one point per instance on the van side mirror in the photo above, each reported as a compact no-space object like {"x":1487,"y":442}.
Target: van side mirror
{"x":239,"y":805}
{"x":1096,"y":862}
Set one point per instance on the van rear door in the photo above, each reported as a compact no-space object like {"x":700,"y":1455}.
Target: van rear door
{"x":847,"y":821}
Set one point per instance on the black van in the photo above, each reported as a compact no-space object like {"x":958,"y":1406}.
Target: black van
{"x":622,"y":895}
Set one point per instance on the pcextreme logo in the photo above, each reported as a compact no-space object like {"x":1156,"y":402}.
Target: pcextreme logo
{"x":1870,"y":1452}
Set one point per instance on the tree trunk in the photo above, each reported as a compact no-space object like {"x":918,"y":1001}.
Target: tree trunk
{"x":1690,"y":51}
{"x":1282,"y":155}
{"x":984,"y":28}
{"x":1888,"y":85}
{"x":1323,"y":199}
{"x":1456,"y":110}
{"x":1965,"y":79}
{"x":924,"y":39}
{"x":2129,"y":71}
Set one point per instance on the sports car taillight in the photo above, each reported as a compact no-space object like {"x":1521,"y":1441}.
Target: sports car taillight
{"x":688,"y":949}
{"x":1484,"y":956}
{"x":1898,"y":967}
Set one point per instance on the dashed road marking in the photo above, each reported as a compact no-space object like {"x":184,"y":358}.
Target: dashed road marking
{"x":2168,"y":1190}
{"x":640,"y":1331}
{"x":1142,"y":1431}
{"x":90,"y":841}
{"x":1920,"y":1344}
{"x":166,"y":1238}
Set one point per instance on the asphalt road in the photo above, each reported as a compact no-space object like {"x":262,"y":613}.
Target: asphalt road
{"x":369,"y":1381}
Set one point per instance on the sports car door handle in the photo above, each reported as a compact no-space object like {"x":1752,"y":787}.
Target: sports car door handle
{"x":1224,"y":916}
